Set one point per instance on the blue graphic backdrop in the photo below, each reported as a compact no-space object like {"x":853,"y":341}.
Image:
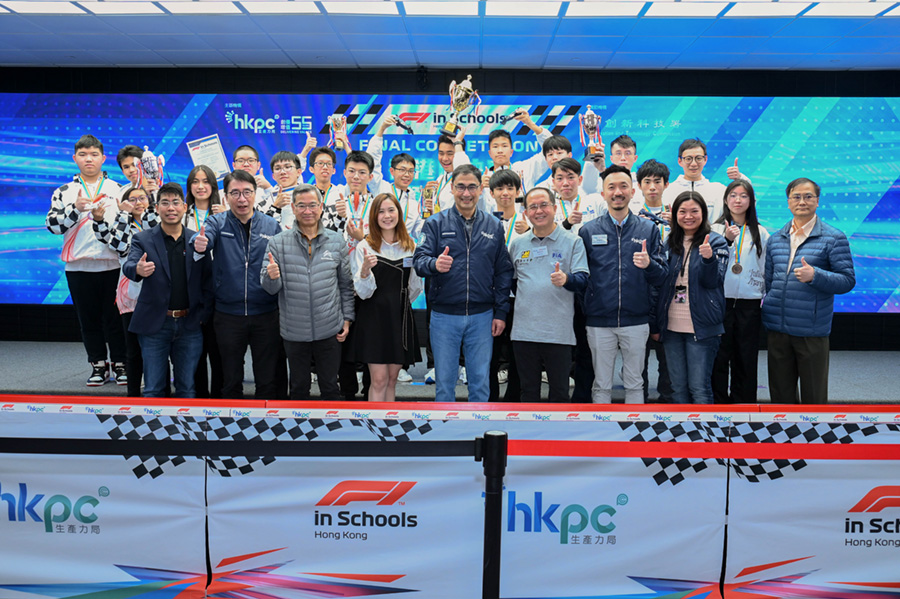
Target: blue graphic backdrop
{"x":850,"y":146}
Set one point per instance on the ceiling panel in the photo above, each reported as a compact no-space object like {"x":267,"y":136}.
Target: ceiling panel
{"x":816,"y":27}
{"x":765,"y":26}
{"x":375,"y":42}
{"x":195,"y":57}
{"x":309,"y":41}
{"x":705,"y":60}
{"x":657,"y":44}
{"x":292,"y":24}
{"x":586,"y":43}
{"x":134,"y":25}
{"x":321,"y":57}
{"x":869,"y":45}
{"x":446,"y":43}
{"x":640,"y":60}
{"x":18,"y":24}
{"x":367,"y":24}
{"x":126,"y":57}
{"x":448,"y":59}
{"x":577,"y":60}
{"x":654,"y":26}
{"x":18,"y":58}
{"x":443,"y":25}
{"x":221,"y":24}
{"x":524,"y":26}
{"x":795,"y":45}
{"x":155,"y":41}
{"x":725,"y":45}
{"x":612,"y":26}
{"x":250,"y":41}
{"x":776,"y":62}
{"x":513,"y":43}
{"x":257,"y":57}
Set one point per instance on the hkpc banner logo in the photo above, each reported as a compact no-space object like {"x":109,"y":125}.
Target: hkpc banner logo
{"x":573,"y":524}
{"x":29,"y":507}
{"x":860,"y":530}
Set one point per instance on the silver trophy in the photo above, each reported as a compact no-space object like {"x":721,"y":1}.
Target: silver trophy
{"x":462,"y":97}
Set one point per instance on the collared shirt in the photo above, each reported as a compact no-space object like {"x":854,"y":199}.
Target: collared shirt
{"x":175,"y":248}
{"x":799,"y":235}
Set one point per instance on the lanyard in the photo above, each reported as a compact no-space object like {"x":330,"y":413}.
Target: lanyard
{"x":437,"y":197}
{"x":512,"y":227}
{"x":197,"y":216}
{"x":93,"y":198}
{"x":327,"y":192}
{"x":362,"y":214}
{"x":737,"y":256}
{"x":399,"y":195}
{"x":662,"y":228}
{"x":137,"y":223}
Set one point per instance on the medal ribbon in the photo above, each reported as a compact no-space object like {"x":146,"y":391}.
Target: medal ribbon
{"x":512,"y":227}
{"x":737,"y":256}
{"x":92,"y":197}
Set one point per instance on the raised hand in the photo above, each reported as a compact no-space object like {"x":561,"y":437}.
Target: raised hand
{"x":732,"y":232}
{"x":98,"y":210}
{"x":444,"y":261}
{"x":82,"y":204}
{"x":804,"y":273}
{"x":368,"y":263}
{"x":201,"y":241}
{"x":144,"y":268}
{"x":272,"y":268}
{"x":309,"y":145}
{"x":642,"y":258}
{"x":558,"y":277}
{"x":706,"y":249}
{"x":522,"y":225}
{"x":341,"y":206}
{"x":733,"y":172}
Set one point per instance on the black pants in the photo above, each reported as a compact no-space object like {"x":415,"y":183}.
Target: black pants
{"x":327,"y":354}
{"x":663,"y":384}
{"x":792,"y":358}
{"x":738,"y":352}
{"x":583,"y":361}
{"x":262,"y":334}
{"x":134,"y":363}
{"x":94,"y":297}
{"x":555,"y":358}
{"x":208,"y":381}
{"x":503,"y":356}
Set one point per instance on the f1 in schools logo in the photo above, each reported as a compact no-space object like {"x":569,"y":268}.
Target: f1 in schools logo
{"x":355,"y":524}
{"x":885,"y":498}
{"x":381,"y":492}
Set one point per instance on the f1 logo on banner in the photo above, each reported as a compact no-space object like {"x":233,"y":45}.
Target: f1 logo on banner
{"x":382,"y":492}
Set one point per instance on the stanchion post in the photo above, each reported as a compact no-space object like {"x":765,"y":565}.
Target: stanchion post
{"x":494,"y":454}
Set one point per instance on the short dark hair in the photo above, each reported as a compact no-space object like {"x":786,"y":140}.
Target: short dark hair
{"x":238,"y":175}
{"x":284,"y":156}
{"x":244,"y":147}
{"x":803,"y":181}
{"x":690,"y":144}
{"x":499,"y":133}
{"x":556,"y":142}
{"x":322,"y":150}
{"x":505,"y":178}
{"x":402,"y":157}
{"x":624,"y":141}
{"x":535,"y":190}
{"x":465,"y":169}
{"x":171,"y":188}
{"x":446,"y":139}
{"x":566,"y":164}
{"x":652,"y":168}
{"x":360,"y":157}
{"x":129,"y":151}
{"x":612,"y":169}
{"x":88,"y":141}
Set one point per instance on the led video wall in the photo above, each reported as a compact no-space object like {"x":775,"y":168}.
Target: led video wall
{"x":850,"y":146}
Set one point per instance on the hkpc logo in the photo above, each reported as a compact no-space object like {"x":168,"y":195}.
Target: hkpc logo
{"x":573,"y":519}
{"x":27,"y":507}
{"x":243,"y":122}
{"x":381,"y":492}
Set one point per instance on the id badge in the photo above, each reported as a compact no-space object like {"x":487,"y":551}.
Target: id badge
{"x":407,"y":262}
{"x":680,"y":294}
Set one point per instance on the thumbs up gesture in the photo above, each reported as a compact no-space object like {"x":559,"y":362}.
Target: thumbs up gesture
{"x":310,"y":144}
{"x":201,"y":241}
{"x":522,"y":225}
{"x":82,"y":203}
{"x":272,"y":268}
{"x":558,"y":277}
{"x":575,"y":216}
{"x":642,"y":258}
{"x":733,"y":172}
{"x":144,"y":268}
{"x":341,"y":206}
{"x":368,"y":263}
{"x":261,"y":179}
{"x":732,"y":232}
{"x":805,"y":273}
{"x":706,"y":249}
{"x":444,"y":261}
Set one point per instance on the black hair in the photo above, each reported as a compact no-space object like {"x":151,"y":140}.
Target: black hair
{"x":446,"y":139}
{"x":802,"y":181}
{"x":676,"y":233}
{"x":750,"y":218}
{"x":556,"y":142}
{"x":534,"y":190}
{"x":690,"y":144}
{"x":499,"y":133}
{"x":402,"y":157}
{"x":238,"y":175}
{"x":284,"y":156}
{"x":131,"y":190}
{"x":306,"y":188}
{"x":244,"y":147}
{"x":171,"y":188}
{"x":623,"y":141}
{"x":613,"y":169}
{"x":505,"y":178}
{"x":465,"y":169}
{"x":88,"y":141}
{"x":322,"y":150}
{"x":211,"y":179}
{"x":129,"y":151}
{"x":652,"y":168}
{"x":566,"y":164}
{"x":360,"y":157}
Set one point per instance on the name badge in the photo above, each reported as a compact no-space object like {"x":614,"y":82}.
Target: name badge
{"x":598,"y":240}
{"x":539,"y":252}
{"x":407,"y":262}
{"x":448,"y":234}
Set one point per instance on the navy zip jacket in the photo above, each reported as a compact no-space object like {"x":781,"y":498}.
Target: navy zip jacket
{"x":236,"y":267}
{"x":618,"y":292}
{"x":481,"y":275}
{"x":706,"y":290}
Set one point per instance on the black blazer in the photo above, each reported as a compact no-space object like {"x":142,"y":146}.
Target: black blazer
{"x":156,"y":290}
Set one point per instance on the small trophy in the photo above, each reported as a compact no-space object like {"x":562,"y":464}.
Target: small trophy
{"x":590,"y":128}
{"x":461,"y":98}
{"x":151,"y":167}
{"x":427,"y":196}
{"x":338,"y":125}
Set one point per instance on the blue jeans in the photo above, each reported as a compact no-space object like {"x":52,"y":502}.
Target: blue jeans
{"x":690,"y":365}
{"x":183,"y":345}
{"x":473,"y":332}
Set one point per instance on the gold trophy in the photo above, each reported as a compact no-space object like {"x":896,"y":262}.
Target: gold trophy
{"x":338,"y":125}
{"x":590,"y":128}
{"x":461,"y":98}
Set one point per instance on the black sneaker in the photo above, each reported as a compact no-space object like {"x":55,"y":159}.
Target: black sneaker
{"x":99,"y":375}
{"x":119,"y":373}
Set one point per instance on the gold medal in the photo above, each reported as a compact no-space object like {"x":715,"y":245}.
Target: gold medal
{"x":736,"y":269}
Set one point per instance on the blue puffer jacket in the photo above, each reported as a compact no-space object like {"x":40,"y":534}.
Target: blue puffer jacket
{"x":481,"y":275}
{"x":618,"y":292}
{"x":236,"y":266}
{"x":805,"y":309}
{"x":706,"y":290}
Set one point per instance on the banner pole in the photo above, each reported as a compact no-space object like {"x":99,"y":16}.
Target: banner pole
{"x":494,"y":452}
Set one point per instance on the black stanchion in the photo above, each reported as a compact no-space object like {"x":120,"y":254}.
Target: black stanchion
{"x":493,"y":453}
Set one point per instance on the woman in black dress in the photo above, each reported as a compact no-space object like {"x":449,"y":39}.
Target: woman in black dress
{"x":384,"y":335}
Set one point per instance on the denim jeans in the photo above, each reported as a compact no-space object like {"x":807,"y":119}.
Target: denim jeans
{"x":690,"y":365}
{"x":473,"y":332}
{"x":183,"y":346}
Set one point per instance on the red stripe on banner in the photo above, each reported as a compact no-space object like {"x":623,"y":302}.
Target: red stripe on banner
{"x":883,"y":585}
{"x":754,"y":569}
{"x":240,"y":558}
{"x":747,"y":451}
{"x":368,"y":577}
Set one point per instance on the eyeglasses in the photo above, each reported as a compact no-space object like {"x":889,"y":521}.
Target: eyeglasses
{"x":353,"y":173}
{"x":466,"y":188}
{"x":323,"y":164}
{"x":170,"y":203}
{"x":283,"y":168}
{"x":406,"y":171}
{"x":235,"y":194}
{"x":738,"y":196}
{"x":692,"y":159}
{"x":807,"y":197}
{"x":306,"y":207}
{"x":541,"y":206}
{"x":625,"y":154}
{"x":246,"y":161}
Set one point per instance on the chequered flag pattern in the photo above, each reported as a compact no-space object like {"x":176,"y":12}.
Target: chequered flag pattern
{"x":673,"y":471}
{"x":183,"y":428}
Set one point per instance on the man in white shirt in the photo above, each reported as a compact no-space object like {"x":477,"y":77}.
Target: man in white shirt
{"x":692,"y":158}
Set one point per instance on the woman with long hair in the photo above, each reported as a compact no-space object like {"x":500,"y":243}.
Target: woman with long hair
{"x":744,"y":288}
{"x":690,"y":307}
{"x":384,"y":335}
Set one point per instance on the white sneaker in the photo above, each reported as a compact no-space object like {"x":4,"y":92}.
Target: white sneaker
{"x":544,"y":378}
{"x":403,"y":376}
{"x":502,"y":376}
{"x":359,"y":379}
{"x":315,"y":379}
{"x":429,"y":377}
{"x":462,"y":375}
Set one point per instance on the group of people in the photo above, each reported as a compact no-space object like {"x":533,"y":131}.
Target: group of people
{"x":541,"y":270}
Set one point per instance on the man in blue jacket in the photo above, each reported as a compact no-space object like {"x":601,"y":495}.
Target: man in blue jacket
{"x":807,"y":263}
{"x":245,"y":314}
{"x":464,"y":259}
{"x":625,"y":259}
{"x":176,"y":295}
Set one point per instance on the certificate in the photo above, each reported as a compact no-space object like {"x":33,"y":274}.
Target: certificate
{"x":208,"y":151}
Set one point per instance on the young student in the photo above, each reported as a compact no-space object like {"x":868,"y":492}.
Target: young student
{"x":129,"y":160}
{"x":403,"y":172}
{"x":448,"y":148}
{"x":354,"y":200}
{"x":692,"y":159}
{"x":322,"y":165}
{"x":92,"y":269}
{"x":246,"y":158}
{"x":554,"y":148}
{"x":575,"y":206}
{"x":286,"y":168}
{"x":623,"y":152}
{"x":745,"y":285}
{"x":384,"y":334}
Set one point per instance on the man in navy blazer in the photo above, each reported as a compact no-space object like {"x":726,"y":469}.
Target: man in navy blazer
{"x":176,"y":296}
